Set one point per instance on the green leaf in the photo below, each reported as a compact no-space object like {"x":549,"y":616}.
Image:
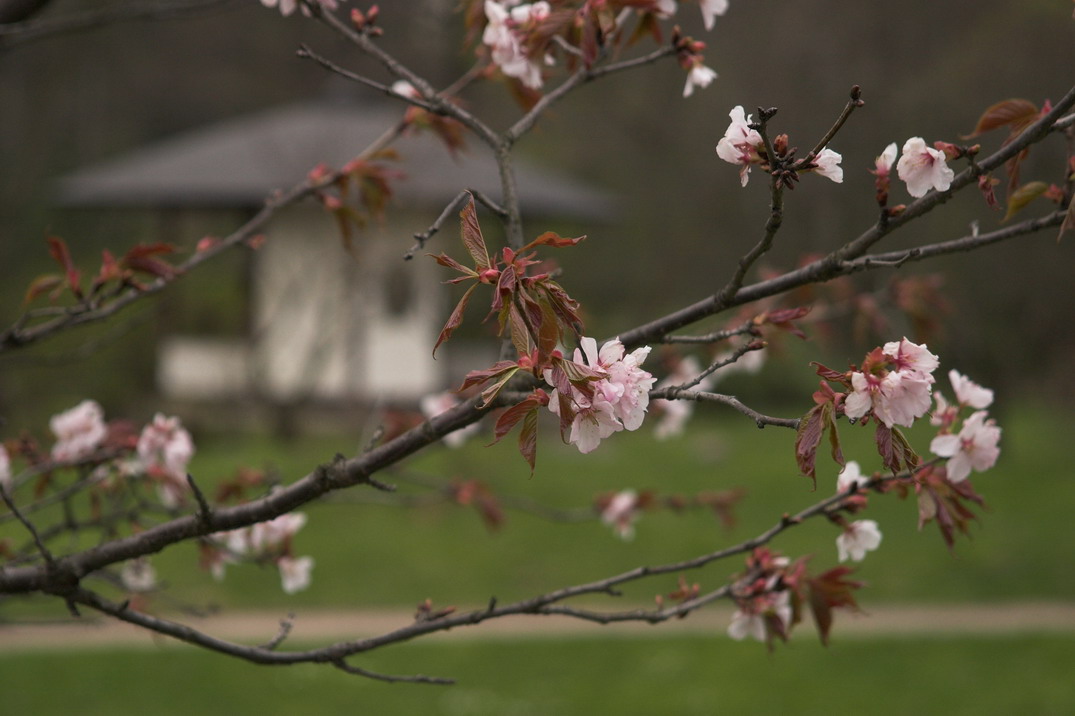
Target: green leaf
{"x":1023,"y":196}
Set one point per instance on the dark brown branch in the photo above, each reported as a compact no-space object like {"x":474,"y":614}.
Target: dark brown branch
{"x":853,"y":103}
{"x":730,"y":400}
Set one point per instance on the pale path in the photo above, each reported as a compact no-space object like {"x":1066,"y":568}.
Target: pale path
{"x":323,"y":626}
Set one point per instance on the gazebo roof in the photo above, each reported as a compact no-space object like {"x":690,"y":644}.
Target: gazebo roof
{"x":241,"y":161}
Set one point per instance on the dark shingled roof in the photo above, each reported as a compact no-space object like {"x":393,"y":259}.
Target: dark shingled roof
{"x":239,"y":162}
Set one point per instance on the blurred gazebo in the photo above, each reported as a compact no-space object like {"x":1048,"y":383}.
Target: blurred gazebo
{"x":321,"y":323}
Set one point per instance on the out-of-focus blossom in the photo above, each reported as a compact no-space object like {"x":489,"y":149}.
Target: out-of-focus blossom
{"x":164,"y":451}
{"x":504,"y":34}
{"x":750,"y":620}
{"x":828,"y":165}
{"x":5,"y":470}
{"x":968,"y":392}
{"x":923,"y":168}
{"x":975,"y":447}
{"x":288,"y":6}
{"x":434,"y":404}
{"x":405,"y":88}
{"x":295,"y":573}
{"x":699,"y":76}
{"x":710,"y":10}
{"x":676,"y":413}
{"x":138,"y":575}
{"x":621,"y":512}
{"x":276,"y":533}
{"x":858,"y":538}
{"x":79,"y":431}
{"x":740,"y":144}
{"x":850,"y":475}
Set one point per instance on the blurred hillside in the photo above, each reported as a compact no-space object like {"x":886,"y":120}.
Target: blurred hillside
{"x":928,"y":69}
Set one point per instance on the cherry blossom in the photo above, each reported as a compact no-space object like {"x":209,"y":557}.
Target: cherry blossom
{"x":828,"y":165}
{"x":923,"y":168}
{"x":740,"y":144}
{"x":975,"y":447}
{"x":295,"y":573}
{"x":619,"y":400}
{"x":621,"y":512}
{"x":710,"y":10}
{"x":749,"y":620}
{"x":858,"y":538}
{"x":5,"y":470}
{"x":288,"y":6}
{"x":883,"y":163}
{"x":79,"y":431}
{"x":164,"y":451}
{"x":850,"y":475}
{"x":434,"y":404}
{"x":138,"y":575}
{"x":699,"y":76}
{"x":899,"y":396}
{"x":504,"y":33}
{"x":276,"y":532}
{"x":944,"y":414}
{"x":676,"y":413}
{"x":968,"y":392}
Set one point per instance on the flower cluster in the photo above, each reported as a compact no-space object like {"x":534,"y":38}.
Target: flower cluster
{"x":921,"y":167}
{"x":288,"y":6}
{"x":742,"y":145}
{"x":506,"y":33}
{"x":79,"y":431}
{"x":164,"y":451}
{"x":264,"y":541}
{"x":975,"y":445}
{"x":616,"y":401}
{"x":894,"y":384}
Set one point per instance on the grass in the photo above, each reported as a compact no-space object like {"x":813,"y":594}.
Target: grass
{"x":370,"y":554}
{"x":682,"y":675}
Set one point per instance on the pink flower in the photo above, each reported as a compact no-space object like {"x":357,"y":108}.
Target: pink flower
{"x":850,"y":475}
{"x":164,"y":450}
{"x":619,"y":400}
{"x":897,"y":398}
{"x":740,"y":144}
{"x":79,"y":431}
{"x":504,"y":34}
{"x":275,"y":533}
{"x":138,"y":575}
{"x":5,"y":471}
{"x":944,"y":414}
{"x":857,"y":539}
{"x":699,"y":76}
{"x":910,"y":357}
{"x":968,"y":392}
{"x":434,"y":404}
{"x":975,"y":447}
{"x":749,"y":620}
{"x":295,"y":573}
{"x":288,"y":6}
{"x":923,"y":168}
{"x":883,"y":164}
{"x":710,"y":10}
{"x":676,"y":413}
{"x":621,"y":512}
{"x":828,"y":165}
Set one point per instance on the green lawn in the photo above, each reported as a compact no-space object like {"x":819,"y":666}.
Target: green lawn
{"x":705,"y":674}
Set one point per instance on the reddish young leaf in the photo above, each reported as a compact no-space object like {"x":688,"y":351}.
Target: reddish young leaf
{"x":807,"y":438}
{"x":1016,"y":113}
{"x":829,"y":374}
{"x":60,"y":254}
{"x":143,"y":258}
{"x":551,"y":238}
{"x":449,"y":262}
{"x":472,"y":236}
{"x":895,"y":451}
{"x":477,"y":377}
{"x":829,"y":591}
{"x":454,"y":320}
{"x":110,"y":271}
{"x":42,"y":284}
